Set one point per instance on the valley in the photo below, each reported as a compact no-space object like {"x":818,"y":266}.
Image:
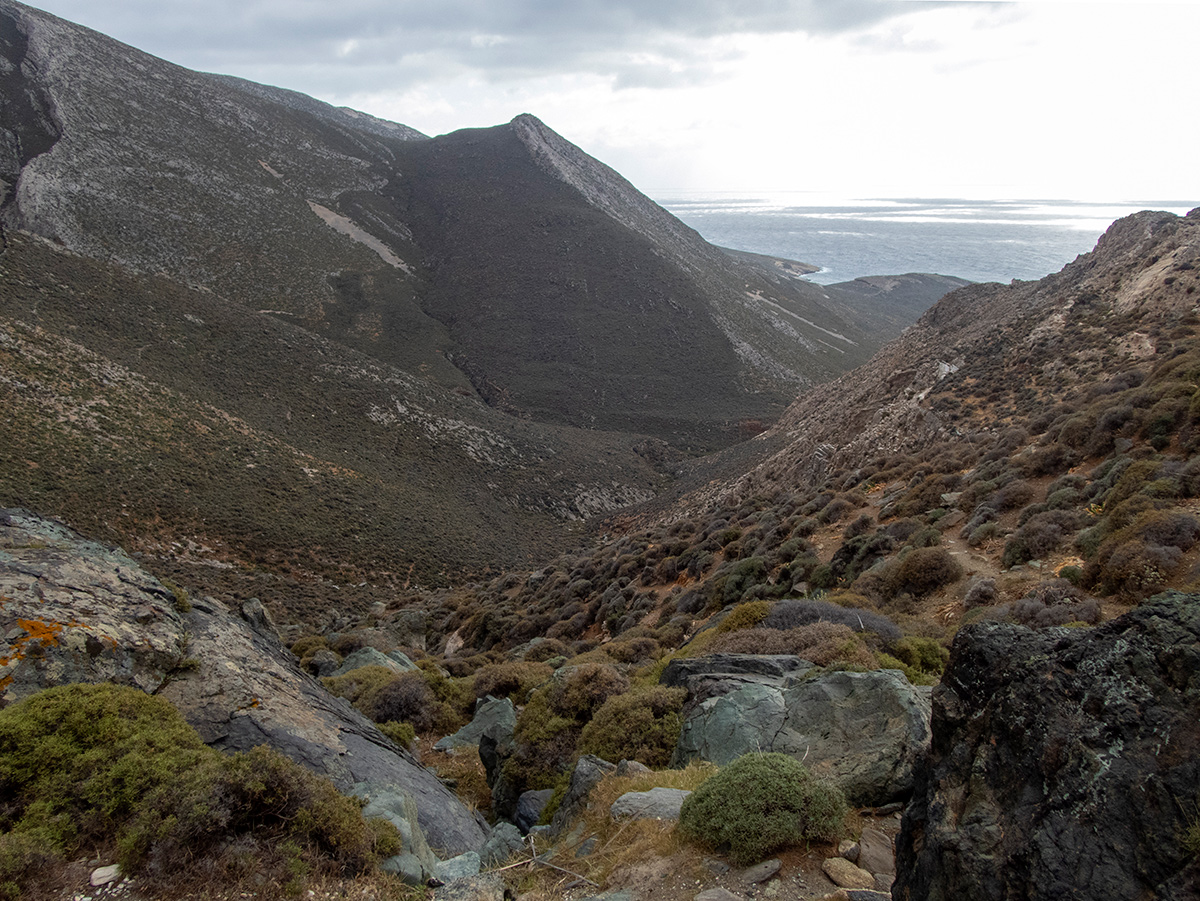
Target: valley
{"x":456,"y":472}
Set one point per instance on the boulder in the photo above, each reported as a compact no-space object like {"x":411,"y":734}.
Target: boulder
{"x":865,"y":731}
{"x":530,"y":806}
{"x":655,"y":804}
{"x":399,"y":809}
{"x":463,"y":866}
{"x":505,"y":841}
{"x":396,"y":661}
{"x":718,"y":674}
{"x":1060,"y":763}
{"x":77,"y":611}
{"x":494,"y":717}
{"x":488,"y":887}
{"x":876,"y":854}
{"x":843,"y":873}
{"x":588,"y":772}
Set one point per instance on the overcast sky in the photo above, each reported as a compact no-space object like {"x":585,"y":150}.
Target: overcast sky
{"x":1046,"y":98}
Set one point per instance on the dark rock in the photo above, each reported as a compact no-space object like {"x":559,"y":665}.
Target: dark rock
{"x":586,"y":776}
{"x":863,"y":730}
{"x":494,"y":717}
{"x":718,"y":674}
{"x":323,"y":663}
{"x":876,"y":854}
{"x":530,"y":806}
{"x":488,"y":887}
{"x":70,"y":614}
{"x":504,"y":842}
{"x":1060,"y":762}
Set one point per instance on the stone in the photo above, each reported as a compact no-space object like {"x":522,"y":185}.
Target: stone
{"x":883,"y":883}
{"x":494,"y":717}
{"x":505,"y":841}
{"x":632,"y":768}
{"x":398,"y":808}
{"x":843,"y":873}
{"x":761,"y":872}
{"x":461,"y":867}
{"x":1058,"y":761}
{"x":227,"y":673}
{"x":371,"y":657}
{"x":718,"y":674}
{"x":487,"y":887}
{"x":717,"y":894}
{"x":588,"y":772}
{"x":876,"y":854}
{"x":323,"y":663}
{"x":408,"y":867}
{"x":102,"y":876}
{"x":864,"y":731}
{"x":530,"y":805}
{"x":655,"y":804}
{"x":848,"y":849}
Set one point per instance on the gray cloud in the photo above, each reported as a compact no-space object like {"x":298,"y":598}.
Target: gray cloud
{"x":345,"y":46}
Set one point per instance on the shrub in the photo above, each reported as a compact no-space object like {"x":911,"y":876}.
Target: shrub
{"x":924,"y":570}
{"x":402,"y":734}
{"x":85,"y":765}
{"x":790,"y":614}
{"x":578,"y":691}
{"x":744,"y":616}
{"x":980,"y":593}
{"x":513,"y":680}
{"x":406,"y":698}
{"x":860,"y":525}
{"x":1042,"y":533}
{"x":760,"y":803}
{"x":641,"y":725}
{"x":546,"y":650}
{"x":1055,"y":602}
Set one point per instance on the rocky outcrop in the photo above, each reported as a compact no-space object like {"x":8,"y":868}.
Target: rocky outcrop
{"x":865,"y":731}
{"x":73,"y":610}
{"x":1063,"y":763}
{"x":718,"y":674}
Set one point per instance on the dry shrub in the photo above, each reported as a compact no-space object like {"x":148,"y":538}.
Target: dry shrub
{"x":407,"y":698}
{"x":642,"y":725}
{"x":924,"y":570}
{"x":578,"y":691}
{"x":513,"y":680}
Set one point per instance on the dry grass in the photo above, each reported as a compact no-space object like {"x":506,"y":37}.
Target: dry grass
{"x":464,"y":767}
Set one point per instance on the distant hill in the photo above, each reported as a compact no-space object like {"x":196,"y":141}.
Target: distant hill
{"x":504,"y":261}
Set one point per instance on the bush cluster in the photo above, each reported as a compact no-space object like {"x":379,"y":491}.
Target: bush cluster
{"x":760,"y":803}
{"x":85,"y":766}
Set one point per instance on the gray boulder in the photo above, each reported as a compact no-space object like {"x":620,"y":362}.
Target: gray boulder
{"x":530,"y":805}
{"x":101,"y":618}
{"x":1060,"y":762}
{"x":588,"y":772}
{"x":718,"y":674}
{"x":865,"y":731}
{"x":655,"y":804}
{"x":461,"y":867}
{"x":399,"y":809}
{"x":396,"y":661}
{"x":494,"y":717}
{"x":505,"y":841}
{"x":488,"y":887}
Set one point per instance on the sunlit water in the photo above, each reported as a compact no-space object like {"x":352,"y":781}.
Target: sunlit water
{"x":989,"y":240}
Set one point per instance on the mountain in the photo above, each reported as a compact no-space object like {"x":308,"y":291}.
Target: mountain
{"x":502,"y":261}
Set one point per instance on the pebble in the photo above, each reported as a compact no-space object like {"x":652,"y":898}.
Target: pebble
{"x":761,"y":872}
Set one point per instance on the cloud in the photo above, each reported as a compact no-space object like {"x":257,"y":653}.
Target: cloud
{"x":413,"y":42}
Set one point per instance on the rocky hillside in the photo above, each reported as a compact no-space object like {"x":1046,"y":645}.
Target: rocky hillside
{"x":504,"y":262}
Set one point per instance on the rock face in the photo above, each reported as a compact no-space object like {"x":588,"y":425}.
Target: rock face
{"x":1063,"y":763}
{"x":655,"y":804}
{"x":718,"y":674}
{"x":863,"y":730}
{"x":75,"y":611}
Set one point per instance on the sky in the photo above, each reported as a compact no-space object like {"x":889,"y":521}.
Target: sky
{"x":1065,"y":99}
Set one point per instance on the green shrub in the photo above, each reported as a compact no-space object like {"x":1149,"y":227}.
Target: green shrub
{"x":402,"y":734}
{"x":759,"y":804}
{"x":579,"y":691}
{"x":745,"y":616}
{"x":89,"y":765}
{"x":642,"y":725}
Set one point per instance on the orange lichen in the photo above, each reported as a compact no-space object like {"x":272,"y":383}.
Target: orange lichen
{"x":42,"y":633}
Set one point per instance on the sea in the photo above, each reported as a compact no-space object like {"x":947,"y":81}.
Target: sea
{"x":848,"y":237}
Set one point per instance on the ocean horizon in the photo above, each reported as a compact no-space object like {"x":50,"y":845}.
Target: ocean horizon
{"x":847,"y":237}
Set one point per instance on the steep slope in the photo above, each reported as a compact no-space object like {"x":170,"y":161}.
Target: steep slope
{"x":185,"y":426}
{"x":989,"y":355}
{"x":500,"y":260}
